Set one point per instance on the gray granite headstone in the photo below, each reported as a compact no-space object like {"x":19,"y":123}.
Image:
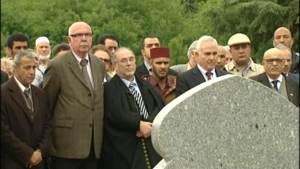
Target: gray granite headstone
{"x":228,"y":123}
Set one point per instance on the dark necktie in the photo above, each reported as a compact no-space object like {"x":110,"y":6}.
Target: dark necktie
{"x":275,"y":82}
{"x":83,"y":64}
{"x":139,"y":101}
{"x":208,"y":74}
{"x":29,"y":103}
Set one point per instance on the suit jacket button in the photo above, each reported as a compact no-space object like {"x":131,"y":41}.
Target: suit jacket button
{"x":90,"y":94}
{"x":91,"y":125}
{"x":93,"y":109}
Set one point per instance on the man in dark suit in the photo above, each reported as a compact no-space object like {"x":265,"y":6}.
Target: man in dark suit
{"x":273,"y":77}
{"x":148,"y":43}
{"x":25,"y":118}
{"x":206,"y":55}
{"x":283,"y":35}
{"x":287,"y":64}
{"x":4,"y":77}
{"x":74,"y":83}
{"x":127,"y":124}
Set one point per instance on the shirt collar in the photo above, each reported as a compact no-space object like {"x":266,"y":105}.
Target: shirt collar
{"x":147,"y":66}
{"x":79,"y":58}
{"x":22,"y":87}
{"x":279,"y":78}
{"x":127,"y":82}
{"x":250,"y":65}
{"x":203,"y":71}
{"x":153,"y":81}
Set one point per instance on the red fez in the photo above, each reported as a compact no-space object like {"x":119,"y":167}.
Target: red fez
{"x":159,"y":52}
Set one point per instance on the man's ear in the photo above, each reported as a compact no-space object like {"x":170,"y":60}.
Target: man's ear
{"x":143,"y":52}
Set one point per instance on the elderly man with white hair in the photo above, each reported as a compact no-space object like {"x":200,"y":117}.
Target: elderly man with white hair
{"x":43,"y":49}
{"x":192,"y":63}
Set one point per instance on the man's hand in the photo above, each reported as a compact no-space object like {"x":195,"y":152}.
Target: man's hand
{"x":35,"y":159}
{"x":145,"y":129}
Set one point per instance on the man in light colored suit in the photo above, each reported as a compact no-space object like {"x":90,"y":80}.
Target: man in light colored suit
{"x":242,"y":64}
{"x":192,"y":62}
{"x":74,"y":83}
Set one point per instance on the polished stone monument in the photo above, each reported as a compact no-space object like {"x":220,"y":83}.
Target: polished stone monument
{"x":231,"y":123}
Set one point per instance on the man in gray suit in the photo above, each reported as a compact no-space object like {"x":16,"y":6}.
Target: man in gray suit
{"x":192,"y":62}
{"x":74,"y":83}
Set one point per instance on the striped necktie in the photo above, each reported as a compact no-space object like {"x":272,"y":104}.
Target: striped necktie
{"x":139,"y":101}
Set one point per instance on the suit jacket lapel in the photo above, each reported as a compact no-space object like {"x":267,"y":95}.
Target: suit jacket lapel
{"x":264,"y":80}
{"x":197,"y":75}
{"x":36,"y":101}
{"x":17,"y":95}
{"x":94,"y":69}
{"x":74,"y":66}
{"x":289,"y":89}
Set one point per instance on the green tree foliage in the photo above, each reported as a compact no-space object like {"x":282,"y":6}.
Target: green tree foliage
{"x":177,"y":23}
{"x":256,"y":18}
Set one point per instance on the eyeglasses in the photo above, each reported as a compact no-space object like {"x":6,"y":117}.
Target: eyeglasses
{"x":274,"y":60}
{"x":80,"y":35}
{"x":126,"y":60}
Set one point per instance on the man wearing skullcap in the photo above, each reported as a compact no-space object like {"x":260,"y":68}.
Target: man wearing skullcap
{"x":242,"y":64}
{"x":43,"y":49}
{"x":164,"y":84}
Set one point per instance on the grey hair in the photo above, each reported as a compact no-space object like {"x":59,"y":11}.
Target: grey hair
{"x":114,"y":57}
{"x":205,"y":38}
{"x":192,"y":48}
{"x":227,"y":48}
{"x":19,"y":56}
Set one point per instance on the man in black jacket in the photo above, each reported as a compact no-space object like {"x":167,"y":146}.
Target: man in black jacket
{"x":128,"y":119}
{"x":283,"y":36}
{"x":4,"y":77}
{"x":206,"y":55}
{"x":148,"y":43}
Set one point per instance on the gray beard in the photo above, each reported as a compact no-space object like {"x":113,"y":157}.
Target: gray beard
{"x":44,"y":57}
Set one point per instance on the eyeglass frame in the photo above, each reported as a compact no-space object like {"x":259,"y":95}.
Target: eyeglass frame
{"x":80,"y":35}
{"x":277,"y":60}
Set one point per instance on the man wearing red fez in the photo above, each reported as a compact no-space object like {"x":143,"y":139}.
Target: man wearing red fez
{"x":164,"y":84}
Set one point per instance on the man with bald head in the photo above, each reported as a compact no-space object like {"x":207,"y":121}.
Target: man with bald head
{"x":273,"y":63}
{"x":283,"y":36}
{"x":221,"y":58}
{"x":74,"y":84}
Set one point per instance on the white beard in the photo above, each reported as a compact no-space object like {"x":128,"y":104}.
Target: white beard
{"x":41,"y":57}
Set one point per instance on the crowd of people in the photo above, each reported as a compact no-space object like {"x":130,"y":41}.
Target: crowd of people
{"x":89,"y":106}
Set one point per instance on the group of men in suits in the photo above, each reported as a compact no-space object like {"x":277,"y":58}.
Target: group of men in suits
{"x":77,"y":119}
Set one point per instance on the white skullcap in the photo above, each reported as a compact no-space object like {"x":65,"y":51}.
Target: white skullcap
{"x":41,"y":39}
